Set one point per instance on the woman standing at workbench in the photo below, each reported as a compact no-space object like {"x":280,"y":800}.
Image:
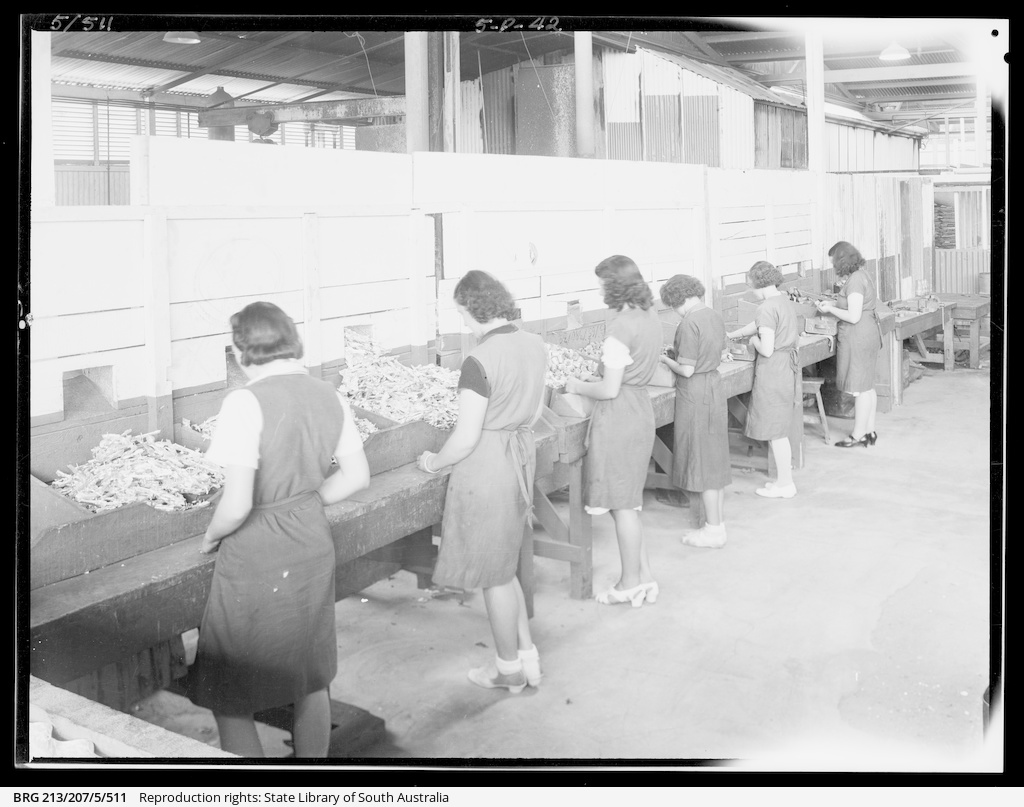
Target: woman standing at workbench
{"x":774,"y":334}
{"x":621,"y":433}
{"x":858,"y":341}
{"x":700,"y":452}
{"x":267,"y":636}
{"x":489,"y":501}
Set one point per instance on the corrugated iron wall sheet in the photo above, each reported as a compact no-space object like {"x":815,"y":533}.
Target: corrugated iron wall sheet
{"x":972,"y":218}
{"x":622,"y":105}
{"x":91,"y":185}
{"x":957,"y":270}
{"x":499,"y":112}
{"x":661,"y":85}
{"x":736,"y":128}
{"x":470,"y":137}
{"x":700,"y":120}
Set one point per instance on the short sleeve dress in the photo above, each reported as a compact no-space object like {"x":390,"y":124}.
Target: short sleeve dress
{"x":267,"y":636}
{"x":857,"y":345}
{"x":700,"y":455}
{"x":620,"y":437}
{"x":490,"y":493}
{"x":777,"y":379}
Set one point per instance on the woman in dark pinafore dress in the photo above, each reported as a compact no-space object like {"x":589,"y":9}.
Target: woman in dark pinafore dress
{"x":621,"y":432}
{"x":267,"y":636}
{"x":775,"y":335}
{"x":492,"y":456}
{"x":858,"y":341}
{"x":700,"y":454}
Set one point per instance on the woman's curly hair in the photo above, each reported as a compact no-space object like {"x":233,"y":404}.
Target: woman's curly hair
{"x":484,"y":296}
{"x":623,"y":283}
{"x":680,"y":288}
{"x":846,"y":258}
{"x":763,"y":274}
{"x":262,"y":332}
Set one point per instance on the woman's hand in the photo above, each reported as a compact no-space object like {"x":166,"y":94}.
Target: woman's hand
{"x":665,"y":360}
{"x":210,"y":545}
{"x":571,"y":384}
{"x":421,"y":463}
{"x":824,"y":307}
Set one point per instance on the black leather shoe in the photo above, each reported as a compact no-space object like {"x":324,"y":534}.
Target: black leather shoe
{"x":872,"y":436}
{"x":849,"y":442}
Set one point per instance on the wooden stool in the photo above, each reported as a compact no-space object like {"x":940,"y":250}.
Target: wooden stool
{"x":813,"y":385}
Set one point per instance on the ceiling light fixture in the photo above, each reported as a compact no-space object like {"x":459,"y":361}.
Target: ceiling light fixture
{"x":894,"y":53}
{"x":182,"y":37}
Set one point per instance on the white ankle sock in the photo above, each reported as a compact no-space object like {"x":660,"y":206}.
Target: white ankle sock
{"x":507,"y":667}
{"x":532,"y":653}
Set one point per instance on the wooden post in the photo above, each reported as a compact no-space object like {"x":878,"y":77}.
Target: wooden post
{"x":817,"y":145}
{"x":417,"y":103}
{"x":435,"y":90}
{"x":312,"y":339}
{"x":452,"y":80}
{"x":156,"y":284}
{"x":582,"y":574}
{"x":583,"y":55}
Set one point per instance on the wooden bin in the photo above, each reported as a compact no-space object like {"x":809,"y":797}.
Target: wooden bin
{"x":398,"y":444}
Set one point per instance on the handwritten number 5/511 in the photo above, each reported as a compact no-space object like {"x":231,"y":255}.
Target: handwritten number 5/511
{"x":87,"y":23}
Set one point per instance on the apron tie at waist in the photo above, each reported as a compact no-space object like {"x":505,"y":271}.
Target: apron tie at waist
{"x":289,"y":503}
{"x":520,"y":451}
{"x":794,"y":362}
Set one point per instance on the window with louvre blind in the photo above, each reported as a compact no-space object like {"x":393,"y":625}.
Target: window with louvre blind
{"x":91,"y":132}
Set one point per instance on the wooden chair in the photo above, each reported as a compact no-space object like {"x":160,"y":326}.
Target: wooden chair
{"x":812,"y":385}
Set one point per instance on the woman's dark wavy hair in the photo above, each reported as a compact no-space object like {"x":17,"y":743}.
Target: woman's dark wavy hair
{"x":763,"y":274}
{"x":484,"y":296}
{"x":262,"y":332}
{"x":846,"y":258}
{"x":623,"y":283}
{"x":680,"y":288}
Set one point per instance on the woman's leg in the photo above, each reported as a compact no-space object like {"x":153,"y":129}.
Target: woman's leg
{"x":712,"y":502}
{"x":238,"y":735}
{"x":861,"y":406}
{"x":524,"y":639}
{"x":502,"y":604}
{"x":629,"y":532}
{"x":721,"y":504}
{"x":312,"y":729}
{"x":783,"y":452}
{"x":871,"y":406}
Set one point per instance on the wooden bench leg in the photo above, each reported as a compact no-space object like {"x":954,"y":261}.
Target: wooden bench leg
{"x":581,"y":573}
{"x":824,"y":419}
{"x":975,"y":344}
{"x":525,"y":570}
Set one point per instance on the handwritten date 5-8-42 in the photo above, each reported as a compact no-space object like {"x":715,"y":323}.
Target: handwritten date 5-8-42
{"x":65,"y":22}
{"x":511,"y":24}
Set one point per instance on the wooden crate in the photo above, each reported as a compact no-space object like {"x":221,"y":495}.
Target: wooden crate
{"x":398,"y":444}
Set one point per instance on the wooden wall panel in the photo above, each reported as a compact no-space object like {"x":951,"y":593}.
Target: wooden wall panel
{"x":354,"y":249}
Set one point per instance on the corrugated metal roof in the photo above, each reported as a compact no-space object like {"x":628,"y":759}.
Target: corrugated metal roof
{"x":729,"y":78}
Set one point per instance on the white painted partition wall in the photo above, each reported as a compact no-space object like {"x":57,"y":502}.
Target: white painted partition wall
{"x":541,"y":224}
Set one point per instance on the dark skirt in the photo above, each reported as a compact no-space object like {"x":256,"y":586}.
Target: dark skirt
{"x":857,"y":349}
{"x":485,"y":512}
{"x":620,"y":440}
{"x":700,"y":453}
{"x":774,"y":395}
{"x":267,"y":636}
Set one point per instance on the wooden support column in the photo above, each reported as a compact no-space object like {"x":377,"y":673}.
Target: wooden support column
{"x":452,"y":79}
{"x":817,"y":146}
{"x":435,"y":90}
{"x":417,"y":116}
{"x":156,"y":285}
{"x":980,"y":118}
{"x":583,"y":52}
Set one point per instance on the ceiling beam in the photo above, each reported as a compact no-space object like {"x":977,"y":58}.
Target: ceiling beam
{"x":744,"y":36}
{"x":797,"y":54}
{"x":249,"y":52}
{"x":707,"y":50}
{"x":321,"y":111}
{"x":904,"y":73}
{"x":933,"y":96}
{"x":919,"y":82}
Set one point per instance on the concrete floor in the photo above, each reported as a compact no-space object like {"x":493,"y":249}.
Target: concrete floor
{"x":845,"y":629}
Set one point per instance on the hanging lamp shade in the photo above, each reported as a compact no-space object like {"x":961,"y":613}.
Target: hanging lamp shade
{"x":894,"y":53}
{"x":182,"y":37}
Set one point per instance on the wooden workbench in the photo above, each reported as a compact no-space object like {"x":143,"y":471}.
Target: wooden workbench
{"x":969,"y":309}
{"x":915,"y":325}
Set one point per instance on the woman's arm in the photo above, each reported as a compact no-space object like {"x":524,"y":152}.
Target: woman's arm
{"x":603,"y":390}
{"x":472,"y":409}
{"x":764,"y":343}
{"x":747,"y":330}
{"x":852,"y":313}
{"x":685,"y":370}
{"x":233,"y":508}
{"x":352,"y":475}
